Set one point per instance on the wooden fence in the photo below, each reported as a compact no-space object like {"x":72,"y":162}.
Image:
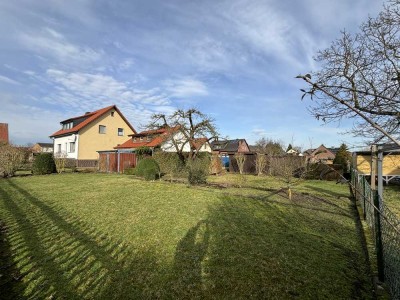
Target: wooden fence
{"x":108,"y":161}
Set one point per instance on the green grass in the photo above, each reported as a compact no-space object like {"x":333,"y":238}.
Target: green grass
{"x":83,"y":236}
{"x":391,"y":196}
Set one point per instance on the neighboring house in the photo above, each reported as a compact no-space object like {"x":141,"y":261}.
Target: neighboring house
{"x":42,"y":148}
{"x":161,"y":139}
{"x":321,"y":154}
{"x":230,"y":146}
{"x":4,"y":133}
{"x":81,"y":137}
{"x":293,"y":152}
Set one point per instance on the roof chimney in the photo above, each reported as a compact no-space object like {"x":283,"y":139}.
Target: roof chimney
{"x":88,"y":112}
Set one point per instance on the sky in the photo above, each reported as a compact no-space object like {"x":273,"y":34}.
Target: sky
{"x":234,"y":60}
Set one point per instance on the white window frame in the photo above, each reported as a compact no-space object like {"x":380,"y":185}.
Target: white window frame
{"x":102,"y":131}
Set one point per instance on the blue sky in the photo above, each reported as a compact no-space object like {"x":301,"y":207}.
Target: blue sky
{"x":233,"y":60}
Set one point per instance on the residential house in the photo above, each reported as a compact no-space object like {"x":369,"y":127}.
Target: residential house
{"x":321,"y":154}
{"x":81,"y":137}
{"x":4,"y":133}
{"x":226,"y":148}
{"x":43,"y":148}
{"x":161,"y":139}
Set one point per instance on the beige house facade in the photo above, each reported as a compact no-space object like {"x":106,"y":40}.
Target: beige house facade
{"x":82,"y":136}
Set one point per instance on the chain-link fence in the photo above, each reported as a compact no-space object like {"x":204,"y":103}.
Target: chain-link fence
{"x":385,"y":227}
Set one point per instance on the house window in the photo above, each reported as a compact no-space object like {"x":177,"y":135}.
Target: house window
{"x":102,"y":129}
{"x":112,"y":114}
{"x":67,"y":125}
{"x":148,"y":138}
{"x":134,"y":139}
{"x":120,"y":131}
{"x":72,"y":147}
{"x":58,"y":148}
{"x":141,"y":138}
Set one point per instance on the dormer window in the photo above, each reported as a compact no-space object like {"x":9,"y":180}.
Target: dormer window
{"x":134,"y":139}
{"x":148,"y":138}
{"x":141,"y":138}
{"x":66,"y":126}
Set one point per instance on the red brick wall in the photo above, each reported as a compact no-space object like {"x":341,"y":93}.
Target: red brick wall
{"x":4,"y":132}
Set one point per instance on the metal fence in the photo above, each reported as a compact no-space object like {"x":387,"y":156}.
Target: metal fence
{"x":385,"y":227}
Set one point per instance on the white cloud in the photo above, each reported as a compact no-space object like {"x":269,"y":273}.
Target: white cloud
{"x":78,"y":92}
{"x":185,"y":87}
{"x":52,"y":43}
{"x":126,"y":64}
{"x":8,"y":80}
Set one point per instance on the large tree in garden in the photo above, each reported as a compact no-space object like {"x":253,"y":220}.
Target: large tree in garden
{"x":359,"y":78}
{"x":186,"y":129}
{"x":343,"y":157}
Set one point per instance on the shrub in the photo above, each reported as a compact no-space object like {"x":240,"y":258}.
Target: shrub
{"x":43,"y":164}
{"x":198,"y":170}
{"x":147,"y":168}
{"x":142,"y":152}
{"x":60,"y":160}
{"x":129,"y":171}
{"x":169,"y":163}
{"x":11,"y":159}
{"x":216,"y":166}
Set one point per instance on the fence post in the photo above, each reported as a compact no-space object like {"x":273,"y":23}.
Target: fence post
{"x":378,"y":237}
{"x":364,"y":200}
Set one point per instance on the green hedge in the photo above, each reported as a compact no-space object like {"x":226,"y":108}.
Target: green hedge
{"x":147,"y":168}
{"x":43,"y":164}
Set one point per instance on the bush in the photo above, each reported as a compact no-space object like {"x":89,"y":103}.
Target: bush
{"x":198,"y":170}
{"x":129,"y":171}
{"x":169,"y":163}
{"x":147,"y":168}
{"x":11,"y":159}
{"x":43,"y":164}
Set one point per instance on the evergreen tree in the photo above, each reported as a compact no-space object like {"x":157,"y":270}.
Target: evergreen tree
{"x":342,"y":157}
{"x":289,"y":147}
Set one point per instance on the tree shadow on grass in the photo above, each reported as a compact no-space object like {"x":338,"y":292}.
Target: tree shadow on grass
{"x":9,"y":273}
{"x":62,"y":257}
{"x":262,"y":250}
{"x":327,"y":192}
{"x":189,"y":256}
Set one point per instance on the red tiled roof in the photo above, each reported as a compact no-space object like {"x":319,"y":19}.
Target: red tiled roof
{"x":4,"y":132}
{"x":198,"y":143}
{"x":90,"y":118}
{"x":136,"y":144}
{"x":149,"y":132}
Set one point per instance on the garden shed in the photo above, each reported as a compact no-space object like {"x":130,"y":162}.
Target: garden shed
{"x":362,"y":161}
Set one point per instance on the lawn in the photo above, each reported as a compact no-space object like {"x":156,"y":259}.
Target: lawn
{"x":84,"y":236}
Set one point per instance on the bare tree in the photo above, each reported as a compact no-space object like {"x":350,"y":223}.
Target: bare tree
{"x":360,"y":78}
{"x":186,"y":128}
{"x":269,"y":146}
{"x":289,"y":169}
{"x":240,"y":159}
{"x":261,"y":163}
